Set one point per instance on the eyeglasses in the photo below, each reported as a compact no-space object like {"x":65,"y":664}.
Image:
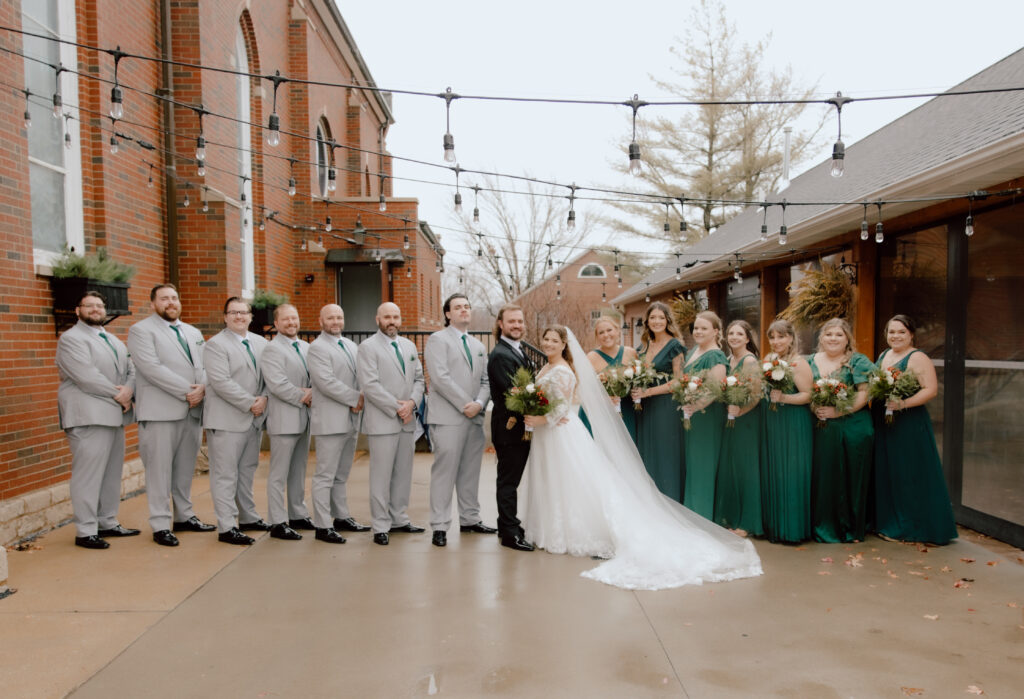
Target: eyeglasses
{"x":238,"y":313}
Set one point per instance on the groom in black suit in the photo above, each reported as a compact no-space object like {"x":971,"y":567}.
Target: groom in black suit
{"x":507,"y":427}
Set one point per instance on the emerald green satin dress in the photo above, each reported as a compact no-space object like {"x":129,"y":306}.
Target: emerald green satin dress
{"x":738,"y":483}
{"x":704,"y":441}
{"x":658,"y":429}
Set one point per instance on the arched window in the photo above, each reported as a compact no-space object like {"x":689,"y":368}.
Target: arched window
{"x":592,"y":270}
{"x":243,"y":94}
{"x":323,"y":155}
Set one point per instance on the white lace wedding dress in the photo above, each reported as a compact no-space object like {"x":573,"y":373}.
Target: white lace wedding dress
{"x":591,"y":496}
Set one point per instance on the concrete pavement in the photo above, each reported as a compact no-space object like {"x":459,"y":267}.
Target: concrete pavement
{"x":309,"y":619}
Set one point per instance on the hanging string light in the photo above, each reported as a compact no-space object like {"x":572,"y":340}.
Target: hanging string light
{"x":205,"y":199}
{"x":383,"y":203}
{"x":764,"y":223}
{"x":328,"y":225}
{"x":201,"y":168}
{"x":969,"y":223}
{"x":647,"y":296}
{"x":67,"y":138}
{"x":149,"y":183}
{"x":782,"y":229}
{"x":570,"y":222}
{"x":332,"y":174}
{"x":839,"y":149}
{"x":274,"y":122}
{"x":604,"y":296}
{"x":864,"y":234}
{"x":549,"y":255}
{"x":618,"y":269}
{"x":476,"y":205}
{"x":480,"y":244}
{"x":113,"y":137}
{"x":28,"y":114}
{"x":667,"y":227}
{"x":635,"y":167}
{"x":679,"y":269}
{"x":458,"y":194}
{"x":879,"y":231}
{"x":186,"y":202}
{"x":737,"y":273}
{"x":682,"y":216}
{"x":200,"y":139}
{"x":116,"y":96}
{"x":291,"y":177}
{"x":58,"y":100}
{"x":448,"y":140}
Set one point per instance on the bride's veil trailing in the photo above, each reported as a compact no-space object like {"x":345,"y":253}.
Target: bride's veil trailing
{"x":658,"y":542}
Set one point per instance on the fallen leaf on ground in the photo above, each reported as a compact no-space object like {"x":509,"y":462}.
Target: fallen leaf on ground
{"x":800,"y":548}
{"x":946,"y":569}
{"x":824,"y":572}
{"x":917,"y":572}
{"x":967,"y":560}
{"x":961,"y":583}
{"x":826,"y":559}
{"x":1011,"y":604}
{"x":892,"y":575}
{"x":911,"y":691}
{"x":922,"y":548}
{"x":854,"y":562}
{"x":992,"y":563}
{"x":931,"y":617}
{"x":974,"y":689}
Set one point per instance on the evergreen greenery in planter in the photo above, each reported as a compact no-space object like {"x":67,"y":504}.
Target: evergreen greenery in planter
{"x":74,"y":274}
{"x":263,"y":304}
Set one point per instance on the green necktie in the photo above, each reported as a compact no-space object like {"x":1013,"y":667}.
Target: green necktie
{"x":184,"y":345}
{"x":399,"y":355}
{"x":465,"y":346}
{"x":107,"y":340}
{"x":351,"y":362}
{"x":251,"y":355}
{"x":299,"y":352}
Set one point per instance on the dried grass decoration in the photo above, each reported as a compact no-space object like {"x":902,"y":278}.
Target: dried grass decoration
{"x":684,"y":311}
{"x":819,"y":296}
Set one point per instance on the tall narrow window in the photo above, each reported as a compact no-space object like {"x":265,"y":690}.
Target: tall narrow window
{"x":55,"y":172}
{"x":244,"y":95}
{"x":323,"y":156}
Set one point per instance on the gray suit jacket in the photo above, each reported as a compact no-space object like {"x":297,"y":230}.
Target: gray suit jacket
{"x":163,"y":372}
{"x":335,"y":386}
{"x":88,"y":374}
{"x":232,"y":383}
{"x":384,"y":383}
{"x":452,"y":382}
{"x":285,"y":376}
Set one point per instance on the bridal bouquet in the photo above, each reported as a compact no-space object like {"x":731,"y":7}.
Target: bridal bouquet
{"x":892,"y":384}
{"x":740,"y":390}
{"x":832,"y":392}
{"x":693,"y":388}
{"x":777,"y":375}
{"x":615,"y":383}
{"x":639,"y":374}
{"x":526,"y":398}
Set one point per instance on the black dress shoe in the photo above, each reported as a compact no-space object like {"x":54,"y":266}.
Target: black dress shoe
{"x":478,"y":528}
{"x":380,"y":538}
{"x":258,"y":526}
{"x":349,"y":525}
{"x":409,"y":528}
{"x":193,"y":524}
{"x":234,"y":536}
{"x":165,"y":538}
{"x":117,"y":531}
{"x":302,"y":523}
{"x":283,"y":531}
{"x":92,"y":541}
{"x":516,"y":542}
{"x":330,"y":536}
{"x":440,"y":538}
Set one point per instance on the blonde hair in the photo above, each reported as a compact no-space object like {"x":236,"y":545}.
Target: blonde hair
{"x":781,"y":326}
{"x":847,"y":330}
{"x":715,"y":321}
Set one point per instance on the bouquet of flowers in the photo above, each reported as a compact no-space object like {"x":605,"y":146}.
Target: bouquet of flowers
{"x":526,"y":398}
{"x":832,"y":392}
{"x":615,"y":383}
{"x":777,"y":375}
{"x":892,"y":384}
{"x":741,"y":390}
{"x":693,"y":388}
{"x":639,"y":374}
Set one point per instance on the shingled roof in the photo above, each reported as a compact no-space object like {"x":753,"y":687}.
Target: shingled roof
{"x":950,"y":145}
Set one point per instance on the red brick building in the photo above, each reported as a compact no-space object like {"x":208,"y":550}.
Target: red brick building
{"x":230,"y":230}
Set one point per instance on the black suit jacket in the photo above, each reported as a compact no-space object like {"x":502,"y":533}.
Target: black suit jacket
{"x":501,"y":365}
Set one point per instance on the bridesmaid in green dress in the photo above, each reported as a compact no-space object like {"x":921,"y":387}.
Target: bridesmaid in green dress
{"x":911,"y":500}
{"x":738,"y":485}
{"x":787,"y":445}
{"x":658,"y":430}
{"x":704,"y":442}
{"x":843,"y":449}
{"x":610,"y":352}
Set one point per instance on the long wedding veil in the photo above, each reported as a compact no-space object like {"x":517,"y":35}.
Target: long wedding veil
{"x":666,"y":543}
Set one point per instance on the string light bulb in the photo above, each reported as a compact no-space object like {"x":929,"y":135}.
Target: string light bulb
{"x":839,"y":149}
{"x":405,"y":242}
{"x":113,"y":144}
{"x":635,"y":166}
{"x":476,"y":205}
{"x":458,"y":194}
{"x":383,"y":203}
{"x":28,"y":114}
{"x":201,"y":168}
{"x":206,"y":202}
{"x":186,"y":202}
{"x":291,"y":186}
{"x":67,"y":139}
{"x":570,"y":221}
{"x":782,"y":229}
{"x":879,"y":230}
{"x":448,"y":142}
{"x":969,"y":222}
{"x":58,"y":101}
{"x":116,"y":103}
{"x":764,"y":223}
{"x":328,"y":226}
{"x":332,"y":180}
{"x":149,"y":183}
{"x":679,"y":270}
{"x":273,"y":130}
{"x":864,"y":234}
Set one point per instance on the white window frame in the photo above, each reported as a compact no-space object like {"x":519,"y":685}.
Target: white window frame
{"x":74,"y":227}
{"x":323,"y":156}
{"x":581,"y":275}
{"x":243,"y":92}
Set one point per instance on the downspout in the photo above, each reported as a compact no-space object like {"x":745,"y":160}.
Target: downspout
{"x":166,"y":91}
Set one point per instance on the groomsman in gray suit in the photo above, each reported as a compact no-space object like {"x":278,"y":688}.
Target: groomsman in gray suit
{"x":94,"y":402}
{"x":334,"y":421}
{"x":286,"y":375}
{"x":389,"y":372}
{"x":169,"y":391}
{"x":236,"y":408}
{"x":458,"y":395}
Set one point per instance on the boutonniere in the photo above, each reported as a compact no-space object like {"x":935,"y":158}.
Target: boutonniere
{"x":200,"y":341}
{"x":412,"y":357}
{"x":479,"y":354}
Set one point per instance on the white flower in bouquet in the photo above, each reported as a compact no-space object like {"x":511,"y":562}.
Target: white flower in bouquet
{"x":628,"y":372}
{"x":530,"y":388}
{"x":692,"y":385}
{"x":767,"y":366}
{"x":730,"y":381}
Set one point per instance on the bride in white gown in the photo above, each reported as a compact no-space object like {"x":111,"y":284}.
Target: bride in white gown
{"x":591,"y":496}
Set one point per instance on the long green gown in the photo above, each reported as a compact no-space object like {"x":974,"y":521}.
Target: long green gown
{"x":704,"y":442}
{"x":786,"y":471}
{"x":841,"y":466}
{"x":738,"y":484}
{"x":659,"y":432}
{"x":626,"y":404}
{"x":911,"y":500}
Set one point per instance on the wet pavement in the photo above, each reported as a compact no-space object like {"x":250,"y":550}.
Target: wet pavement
{"x":310,"y":619}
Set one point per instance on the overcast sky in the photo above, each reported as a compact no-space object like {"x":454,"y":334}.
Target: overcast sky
{"x":608,"y":50}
